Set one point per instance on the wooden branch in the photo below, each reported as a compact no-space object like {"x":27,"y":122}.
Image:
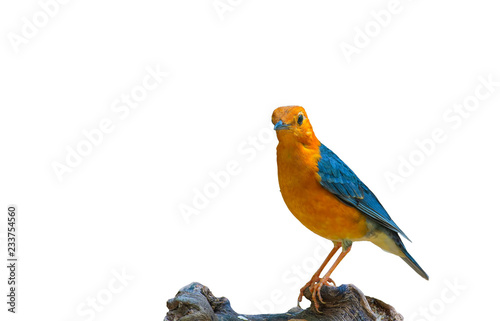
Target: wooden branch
{"x":195,"y":302}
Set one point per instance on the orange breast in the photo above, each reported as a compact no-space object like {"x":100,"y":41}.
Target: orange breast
{"x":315,"y":207}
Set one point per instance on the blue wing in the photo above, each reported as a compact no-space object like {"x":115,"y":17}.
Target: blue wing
{"x":340,"y":180}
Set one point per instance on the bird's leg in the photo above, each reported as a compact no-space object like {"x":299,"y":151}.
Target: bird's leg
{"x":315,"y":278}
{"x":316,"y":288}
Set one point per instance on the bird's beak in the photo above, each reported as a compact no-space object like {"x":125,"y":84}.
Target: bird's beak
{"x":280,"y":125}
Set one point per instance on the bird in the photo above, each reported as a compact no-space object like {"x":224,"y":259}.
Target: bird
{"x":327,"y":197}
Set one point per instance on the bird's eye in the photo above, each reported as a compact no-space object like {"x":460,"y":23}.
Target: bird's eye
{"x":300,"y":119}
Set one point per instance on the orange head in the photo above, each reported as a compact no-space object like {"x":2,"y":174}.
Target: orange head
{"x":292,"y":124}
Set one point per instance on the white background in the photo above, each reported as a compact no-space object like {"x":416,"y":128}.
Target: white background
{"x":117,"y":211}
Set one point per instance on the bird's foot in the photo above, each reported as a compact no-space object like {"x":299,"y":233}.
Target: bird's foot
{"x":312,"y":284}
{"x":316,"y":292}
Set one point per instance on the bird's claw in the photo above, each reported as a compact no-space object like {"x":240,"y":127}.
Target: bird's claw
{"x":316,"y":294}
{"x":314,"y":286}
{"x":331,"y":281}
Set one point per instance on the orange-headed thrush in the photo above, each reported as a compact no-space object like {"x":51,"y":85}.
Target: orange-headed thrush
{"x":325,"y":195}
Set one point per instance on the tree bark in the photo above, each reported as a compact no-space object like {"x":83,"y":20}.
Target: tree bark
{"x":195,"y":302}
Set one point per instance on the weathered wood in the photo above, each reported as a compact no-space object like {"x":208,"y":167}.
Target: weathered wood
{"x":195,"y":302}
